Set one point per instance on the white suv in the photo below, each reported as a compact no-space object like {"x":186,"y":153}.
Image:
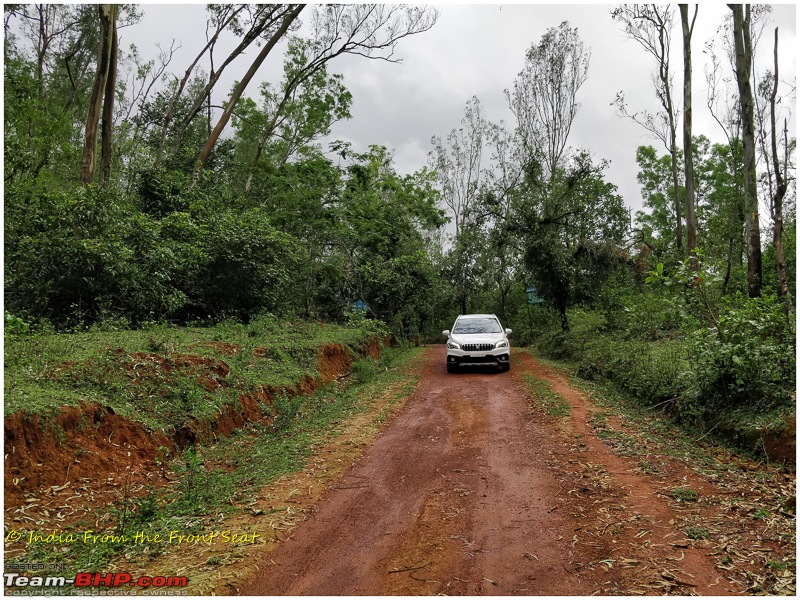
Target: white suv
{"x":477,"y":339}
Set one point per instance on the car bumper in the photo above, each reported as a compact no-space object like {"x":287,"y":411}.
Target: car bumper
{"x":499,"y":356}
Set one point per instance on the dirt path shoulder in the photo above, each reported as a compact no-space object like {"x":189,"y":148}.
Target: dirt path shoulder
{"x":474,"y":490}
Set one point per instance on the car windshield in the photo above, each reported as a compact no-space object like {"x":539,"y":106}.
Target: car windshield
{"x":477,"y":326}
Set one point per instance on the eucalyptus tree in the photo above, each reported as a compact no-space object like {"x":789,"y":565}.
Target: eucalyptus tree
{"x":50,"y":54}
{"x":650,"y":25}
{"x":457,"y":164}
{"x":499,"y":188}
{"x":369,"y":30}
{"x":103,"y":95}
{"x":688,"y":28}
{"x":553,"y":195}
{"x":778,"y":169}
{"x":743,"y":46}
{"x":544,"y":98}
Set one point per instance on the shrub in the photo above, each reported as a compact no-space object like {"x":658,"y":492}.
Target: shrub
{"x":746,"y":361}
{"x":365,"y":369}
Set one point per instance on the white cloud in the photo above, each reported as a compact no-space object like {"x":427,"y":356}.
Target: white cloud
{"x":478,"y":50}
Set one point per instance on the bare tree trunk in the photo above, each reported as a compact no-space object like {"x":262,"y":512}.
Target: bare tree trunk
{"x":650,"y":25}
{"x":744,"y":61}
{"x":678,"y":219}
{"x":240,"y":87}
{"x":780,"y":188}
{"x":108,"y":108}
{"x":108,"y":16}
{"x":688,"y":159}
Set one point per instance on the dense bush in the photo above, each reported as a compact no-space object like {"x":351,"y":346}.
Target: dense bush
{"x":731,"y":361}
{"x":249,"y":267}
{"x":76,"y":257}
{"x":652,"y":372}
{"x":746,"y":362}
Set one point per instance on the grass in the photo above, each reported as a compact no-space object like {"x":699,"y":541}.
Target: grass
{"x":697,"y":533}
{"x":554,"y":404}
{"x":144,"y":375}
{"x":684,"y":495}
{"x":216,"y":481}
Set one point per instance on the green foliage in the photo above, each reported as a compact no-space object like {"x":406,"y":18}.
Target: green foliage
{"x":286,"y":409}
{"x":573,"y":226}
{"x":651,"y":372}
{"x":684,"y":495}
{"x":73,"y":258}
{"x":742,"y":350}
{"x":14,"y":326}
{"x":697,"y":533}
{"x":747,"y":362}
{"x":249,"y":266}
{"x":197,"y":486}
{"x":365,"y":369}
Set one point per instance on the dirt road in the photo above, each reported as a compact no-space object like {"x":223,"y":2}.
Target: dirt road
{"x":473,"y":489}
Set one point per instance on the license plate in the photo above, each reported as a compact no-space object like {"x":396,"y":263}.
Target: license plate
{"x":474,"y":355}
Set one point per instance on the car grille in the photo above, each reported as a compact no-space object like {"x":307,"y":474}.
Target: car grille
{"x":477,"y":347}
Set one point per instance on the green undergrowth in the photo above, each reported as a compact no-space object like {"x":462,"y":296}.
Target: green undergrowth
{"x":665,"y":376}
{"x":553,"y":403}
{"x":650,"y":429}
{"x":216,"y":481}
{"x":162,"y":375}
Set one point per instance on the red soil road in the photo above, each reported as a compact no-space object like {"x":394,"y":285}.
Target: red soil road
{"x":473,"y":490}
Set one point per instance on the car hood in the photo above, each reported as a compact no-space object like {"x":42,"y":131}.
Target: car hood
{"x":476,"y":338}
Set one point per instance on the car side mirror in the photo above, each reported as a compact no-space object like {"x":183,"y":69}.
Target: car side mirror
{"x":446,"y":333}
{"x":509,"y":332}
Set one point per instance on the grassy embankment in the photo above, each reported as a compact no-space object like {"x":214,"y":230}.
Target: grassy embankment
{"x":162,"y":378}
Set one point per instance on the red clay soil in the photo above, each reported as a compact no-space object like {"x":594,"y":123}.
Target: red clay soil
{"x":472,"y":491}
{"x":84,"y":456}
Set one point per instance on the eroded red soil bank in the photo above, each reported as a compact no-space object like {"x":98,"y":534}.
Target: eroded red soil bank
{"x":92,"y":444}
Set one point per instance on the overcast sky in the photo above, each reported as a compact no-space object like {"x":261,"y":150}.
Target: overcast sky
{"x":478,"y":50}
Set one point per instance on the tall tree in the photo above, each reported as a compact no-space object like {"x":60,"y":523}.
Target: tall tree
{"x":688,"y":164}
{"x":650,"y":25}
{"x":744,"y":63}
{"x":555,"y":197}
{"x":571,"y":233}
{"x":239,"y":88}
{"x":544,"y":99}
{"x":370,"y":30}
{"x":252,"y":24}
{"x":102,"y":100}
{"x":457,"y":163}
{"x":780,"y":184}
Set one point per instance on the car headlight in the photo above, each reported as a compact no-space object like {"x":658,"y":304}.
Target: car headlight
{"x":453,"y":346}
{"x":503,"y":344}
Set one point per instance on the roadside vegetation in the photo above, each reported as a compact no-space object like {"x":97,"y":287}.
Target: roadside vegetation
{"x":161,"y":375}
{"x":147,"y":242}
{"x":211,"y":483}
{"x":734,"y":506}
